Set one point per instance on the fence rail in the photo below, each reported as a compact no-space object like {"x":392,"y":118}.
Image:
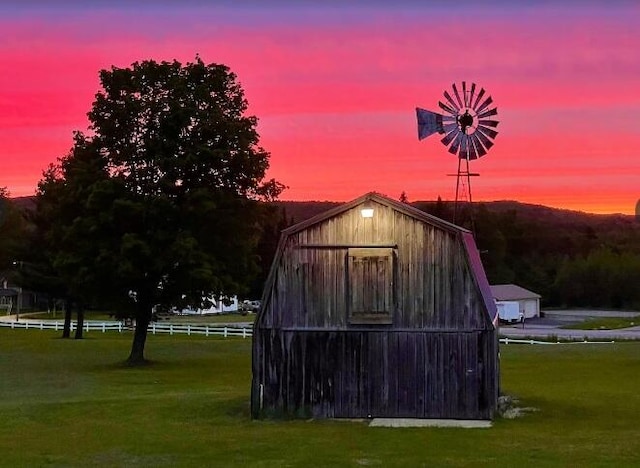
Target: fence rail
{"x":207,"y":330}
{"x":526,"y":341}
{"x":154,"y":328}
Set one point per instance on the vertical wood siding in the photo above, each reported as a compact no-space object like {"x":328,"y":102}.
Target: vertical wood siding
{"x":435,"y":358}
{"x":364,"y":374}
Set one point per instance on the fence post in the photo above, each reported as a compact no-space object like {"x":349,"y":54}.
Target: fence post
{"x":41,"y":325}
{"x":244,"y":332}
{"x":188,"y":329}
{"x":104,"y":327}
{"x":153,"y":328}
{"x":87,"y":326}
{"x":171,"y":329}
{"x":26,"y":325}
{"x":206,"y":330}
{"x":225,"y":332}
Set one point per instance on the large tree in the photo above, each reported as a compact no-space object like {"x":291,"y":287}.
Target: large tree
{"x":177,"y":222}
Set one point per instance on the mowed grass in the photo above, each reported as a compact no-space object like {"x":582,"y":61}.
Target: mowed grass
{"x":605,"y":323}
{"x":72,"y":403}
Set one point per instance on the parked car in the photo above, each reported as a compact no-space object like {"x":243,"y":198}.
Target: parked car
{"x":250,"y":306}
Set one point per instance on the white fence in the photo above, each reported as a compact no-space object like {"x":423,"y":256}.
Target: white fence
{"x":154,"y":328}
{"x":523,"y":341}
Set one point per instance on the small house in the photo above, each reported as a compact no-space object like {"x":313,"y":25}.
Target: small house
{"x":528,"y":301}
{"x":376,"y":309}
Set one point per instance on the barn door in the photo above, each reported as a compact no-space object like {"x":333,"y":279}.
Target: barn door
{"x":370,"y":282}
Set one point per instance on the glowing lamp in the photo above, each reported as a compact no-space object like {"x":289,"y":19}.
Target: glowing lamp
{"x":367,"y":211}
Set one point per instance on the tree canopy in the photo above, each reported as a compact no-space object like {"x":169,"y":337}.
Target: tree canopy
{"x":159,"y":205}
{"x":12,"y":231}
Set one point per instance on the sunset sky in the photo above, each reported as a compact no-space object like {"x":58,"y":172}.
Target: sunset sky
{"x":335,"y":89}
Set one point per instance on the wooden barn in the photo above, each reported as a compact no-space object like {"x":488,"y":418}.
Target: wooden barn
{"x":376,"y":309}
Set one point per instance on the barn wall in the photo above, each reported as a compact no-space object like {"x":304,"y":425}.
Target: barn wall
{"x":436,"y":357}
{"x":360,"y":374}
{"x":433,"y":285}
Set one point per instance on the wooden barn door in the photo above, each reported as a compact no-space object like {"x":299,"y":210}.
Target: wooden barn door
{"x":370,"y":283}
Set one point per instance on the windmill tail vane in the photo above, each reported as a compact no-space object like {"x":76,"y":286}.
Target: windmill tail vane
{"x":428,"y":123}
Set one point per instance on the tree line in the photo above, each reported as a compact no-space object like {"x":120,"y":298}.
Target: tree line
{"x":571,"y":259}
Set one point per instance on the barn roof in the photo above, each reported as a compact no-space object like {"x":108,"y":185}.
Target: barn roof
{"x":512,"y":292}
{"x":382,"y":200}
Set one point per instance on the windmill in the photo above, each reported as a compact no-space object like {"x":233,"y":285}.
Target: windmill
{"x":468,"y":131}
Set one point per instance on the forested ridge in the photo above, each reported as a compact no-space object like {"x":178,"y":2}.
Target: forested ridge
{"x":571,"y":258}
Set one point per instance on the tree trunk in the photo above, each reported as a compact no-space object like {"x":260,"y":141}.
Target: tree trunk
{"x":143,"y":318}
{"x":66,"y":330}
{"x":80,"y":313}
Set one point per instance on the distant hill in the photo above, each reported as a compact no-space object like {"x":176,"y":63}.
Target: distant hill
{"x":297,"y":211}
{"x":25,"y":203}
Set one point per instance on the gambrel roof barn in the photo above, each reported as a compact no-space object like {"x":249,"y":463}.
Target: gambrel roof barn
{"x":378,"y":313}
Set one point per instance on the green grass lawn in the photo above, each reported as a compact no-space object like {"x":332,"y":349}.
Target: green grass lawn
{"x":605,"y":323}
{"x":71,"y":403}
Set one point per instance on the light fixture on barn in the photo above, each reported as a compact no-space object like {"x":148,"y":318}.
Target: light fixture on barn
{"x":367,"y":210}
{"x":468,"y":130}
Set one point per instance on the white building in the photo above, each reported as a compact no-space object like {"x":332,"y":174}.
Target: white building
{"x":528,"y":301}
{"x":220,"y":305}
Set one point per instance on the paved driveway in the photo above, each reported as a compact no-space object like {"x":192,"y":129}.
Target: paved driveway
{"x":549,"y":326}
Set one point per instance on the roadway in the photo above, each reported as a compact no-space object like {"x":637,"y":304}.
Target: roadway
{"x":549,"y":326}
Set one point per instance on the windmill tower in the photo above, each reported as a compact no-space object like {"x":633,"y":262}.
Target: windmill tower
{"x":468,"y":131}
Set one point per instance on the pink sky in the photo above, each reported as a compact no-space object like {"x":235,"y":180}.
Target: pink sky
{"x":335,"y":90}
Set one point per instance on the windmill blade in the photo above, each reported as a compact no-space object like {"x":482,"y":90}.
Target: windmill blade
{"x":473,"y":90}
{"x":486,"y":142}
{"x":449,"y":137}
{"x":451,"y":101}
{"x":487,"y":131}
{"x":465,"y":148}
{"x":455,"y":90}
{"x":484,"y":105}
{"x":480,"y":151}
{"x":464,"y":93}
{"x":449,"y":118}
{"x":453,"y":149}
{"x":473,"y":150}
{"x":480,"y":94}
{"x":488,"y":123}
{"x":446,"y":108}
{"x":428,"y":123}
{"x":479,"y":146}
{"x":488,"y":113}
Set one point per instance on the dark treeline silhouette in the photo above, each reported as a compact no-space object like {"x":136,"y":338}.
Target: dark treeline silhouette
{"x":572,"y":259}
